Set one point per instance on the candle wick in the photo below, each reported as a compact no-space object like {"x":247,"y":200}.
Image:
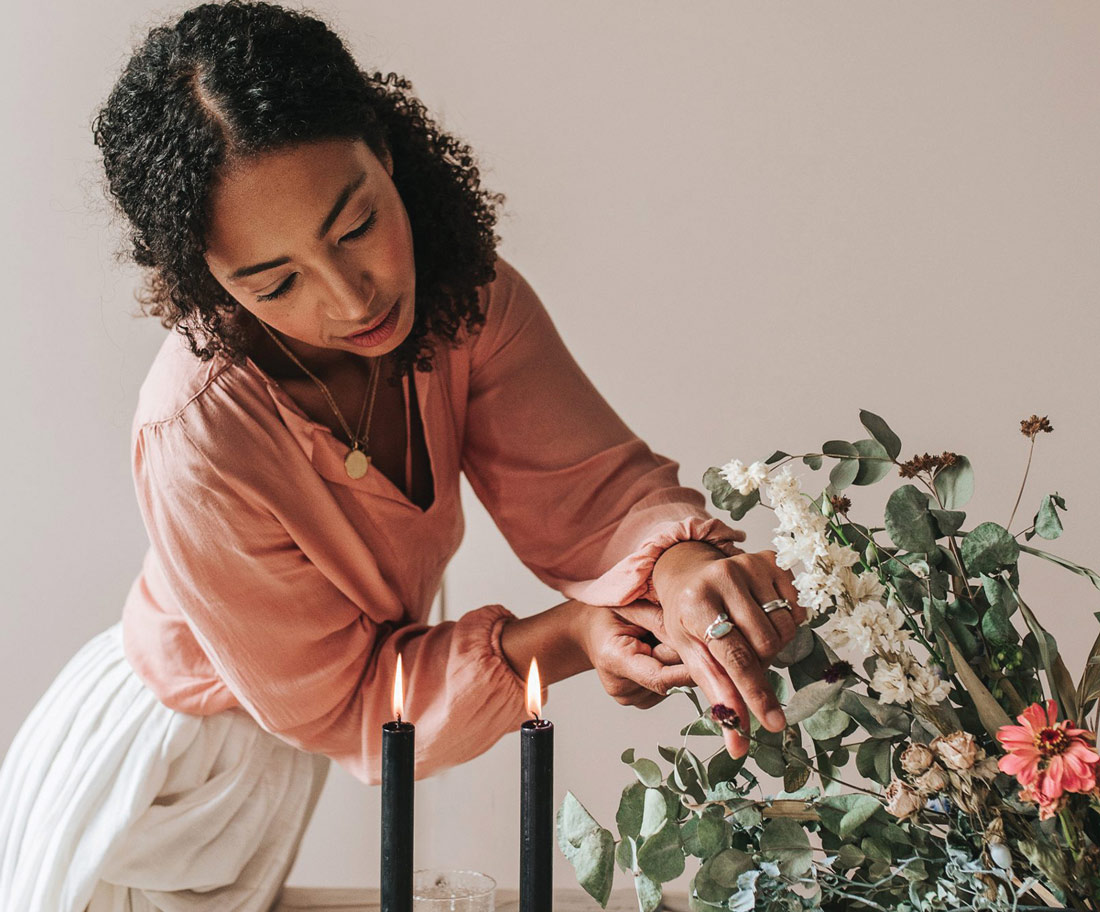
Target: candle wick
{"x":399,"y":718}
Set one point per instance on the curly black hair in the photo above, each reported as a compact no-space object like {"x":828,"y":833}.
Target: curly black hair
{"x":237,"y":79}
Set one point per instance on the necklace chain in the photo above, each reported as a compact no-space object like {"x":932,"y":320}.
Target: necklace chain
{"x":372,"y":389}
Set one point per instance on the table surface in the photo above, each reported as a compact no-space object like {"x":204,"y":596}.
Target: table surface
{"x":321,"y":899}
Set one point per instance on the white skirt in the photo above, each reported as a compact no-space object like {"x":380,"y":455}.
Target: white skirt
{"x":112,"y":802}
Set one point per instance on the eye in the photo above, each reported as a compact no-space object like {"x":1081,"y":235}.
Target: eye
{"x":278,"y":292}
{"x":362,"y":229}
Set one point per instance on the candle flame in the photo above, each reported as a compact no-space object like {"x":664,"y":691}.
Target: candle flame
{"x":398,"y":691}
{"x":534,"y":690}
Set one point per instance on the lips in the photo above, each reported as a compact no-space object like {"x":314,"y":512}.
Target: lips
{"x":366,"y":329}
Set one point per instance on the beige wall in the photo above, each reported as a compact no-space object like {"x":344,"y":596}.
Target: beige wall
{"x":748,"y":219}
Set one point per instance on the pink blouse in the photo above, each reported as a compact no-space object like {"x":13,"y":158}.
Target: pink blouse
{"x":277,"y":583}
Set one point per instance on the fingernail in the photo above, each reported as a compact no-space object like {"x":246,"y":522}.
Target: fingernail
{"x":775,"y":719}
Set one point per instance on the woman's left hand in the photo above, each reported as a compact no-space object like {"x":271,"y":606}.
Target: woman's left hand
{"x":626,"y":647}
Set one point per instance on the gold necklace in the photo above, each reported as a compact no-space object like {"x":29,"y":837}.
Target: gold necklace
{"x":357,"y":461}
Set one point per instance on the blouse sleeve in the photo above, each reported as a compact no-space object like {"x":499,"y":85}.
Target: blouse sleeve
{"x":285,"y":632}
{"x":583,"y":502}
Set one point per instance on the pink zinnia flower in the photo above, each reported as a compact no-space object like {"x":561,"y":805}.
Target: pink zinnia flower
{"x":1048,"y":757}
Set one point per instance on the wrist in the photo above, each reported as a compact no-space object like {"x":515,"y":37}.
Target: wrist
{"x":677,"y":559}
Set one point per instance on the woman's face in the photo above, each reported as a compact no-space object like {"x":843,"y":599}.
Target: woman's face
{"x":314,"y":241}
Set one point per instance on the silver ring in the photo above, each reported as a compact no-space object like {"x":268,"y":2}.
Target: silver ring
{"x":776,"y":605}
{"x":721,"y":626}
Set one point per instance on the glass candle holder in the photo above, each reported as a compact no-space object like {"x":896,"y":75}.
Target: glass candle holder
{"x":452,"y":891}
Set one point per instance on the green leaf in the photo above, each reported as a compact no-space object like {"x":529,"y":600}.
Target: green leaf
{"x":654,"y":812}
{"x":661,"y":856}
{"x":873,"y":760}
{"x":908,"y":522}
{"x":726,"y":867}
{"x":624,"y":854}
{"x":1048,"y":524}
{"x":848,"y":856}
{"x":690,"y":693}
{"x":955,"y":484}
{"x":797,"y":649}
{"x":648,"y":772}
{"x":810,"y":699}
{"x":711,"y":835}
{"x":990,"y":712}
{"x":846,"y":470}
{"x":786,"y":841}
{"x":948,"y":521}
{"x":881,"y":720}
{"x":997,"y":628}
{"x":862,"y":810}
{"x":724,"y":497}
{"x":588,"y":846}
{"x":880,"y":430}
{"x":628,"y":818}
{"x":776,"y":456}
{"x":827,"y":722}
{"x":1091,"y":575}
{"x":649,"y":893}
{"x":987,"y":548}
{"x":874,"y":463}
{"x":813,"y":461}
{"x":797,"y":769}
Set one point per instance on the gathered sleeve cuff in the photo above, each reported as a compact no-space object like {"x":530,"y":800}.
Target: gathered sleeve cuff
{"x":297,"y":642}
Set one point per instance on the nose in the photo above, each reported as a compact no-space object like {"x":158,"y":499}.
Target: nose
{"x":348,"y":295}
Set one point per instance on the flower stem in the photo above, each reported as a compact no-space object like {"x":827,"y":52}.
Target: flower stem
{"x":1030,"y":452}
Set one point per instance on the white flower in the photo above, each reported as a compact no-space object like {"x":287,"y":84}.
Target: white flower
{"x":891,"y":683}
{"x":744,"y":480}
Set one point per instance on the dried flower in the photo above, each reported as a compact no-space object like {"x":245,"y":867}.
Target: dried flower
{"x":931,"y":782}
{"x":916,"y":758}
{"x":1047,"y":757}
{"x":957,"y":751}
{"x":744,"y":479}
{"x":926,"y":463}
{"x":1031,"y":427}
{"x":901,"y":800}
{"x":838,"y":671}
{"x":725,"y":716}
{"x":841,"y":504}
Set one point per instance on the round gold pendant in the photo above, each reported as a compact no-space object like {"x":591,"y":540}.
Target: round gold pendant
{"x":356,"y":463}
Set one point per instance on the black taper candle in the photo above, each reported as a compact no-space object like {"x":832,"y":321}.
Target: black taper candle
{"x":398,"y":740}
{"x":536,"y":855}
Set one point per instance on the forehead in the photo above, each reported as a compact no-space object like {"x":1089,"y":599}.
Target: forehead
{"x":264,"y":203}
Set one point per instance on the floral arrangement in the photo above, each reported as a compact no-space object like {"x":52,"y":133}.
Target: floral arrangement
{"x":917,"y":654}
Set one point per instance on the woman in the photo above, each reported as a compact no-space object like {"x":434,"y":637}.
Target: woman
{"x":347,"y":343}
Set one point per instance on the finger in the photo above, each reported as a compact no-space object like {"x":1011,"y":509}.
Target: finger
{"x":670,"y":676}
{"x":644,"y":615}
{"x":666,"y":654}
{"x":785,"y":589}
{"x":647,"y":700}
{"x":720,"y":692}
{"x":783,"y":621}
{"x":747,"y":674}
{"x":744,"y":598}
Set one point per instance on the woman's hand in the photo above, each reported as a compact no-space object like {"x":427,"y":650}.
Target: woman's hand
{"x":626,"y":647}
{"x":695,"y":583}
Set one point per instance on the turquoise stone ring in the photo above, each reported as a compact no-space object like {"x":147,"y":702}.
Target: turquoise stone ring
{"x":718,"y":628}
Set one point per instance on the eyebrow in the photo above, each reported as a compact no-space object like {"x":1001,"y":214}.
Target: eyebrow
{"x":330,"y":219}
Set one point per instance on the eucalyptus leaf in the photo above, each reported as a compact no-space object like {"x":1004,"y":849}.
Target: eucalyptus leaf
{"x":880,"y":430}
{"x":649,"y":893}
{"x":955,"y":484}
{"x":797,"y":769}
{"x":1047,"y":523}
{"x":873,"y":760}
{"x":846,"y":470}
{"x":948,"y":521}
{"x":776,"y":456}
{"x":648,"y":772}
{"x":874,"y":463}
{"x":712,"y":835}
{"x":661,"y":856}
{"x":826,"y":722}
{"x":908,"y":522}
{"x":786,"y":841}
{"x":725,"y":868}
{"x":588,"y":847}
{"x":988,"y":548}
{"x":881,"y":720}
{"x":624,"y":854}
{"x":848,"y":856}
{"x":810,"y":699}
{"x":997,"y":628}
{"x":628,"y":818}
{"x":654,"y":813}
{"x":813,"y":461}
{"x":862,"y":810}
{"x":797,"y":649}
